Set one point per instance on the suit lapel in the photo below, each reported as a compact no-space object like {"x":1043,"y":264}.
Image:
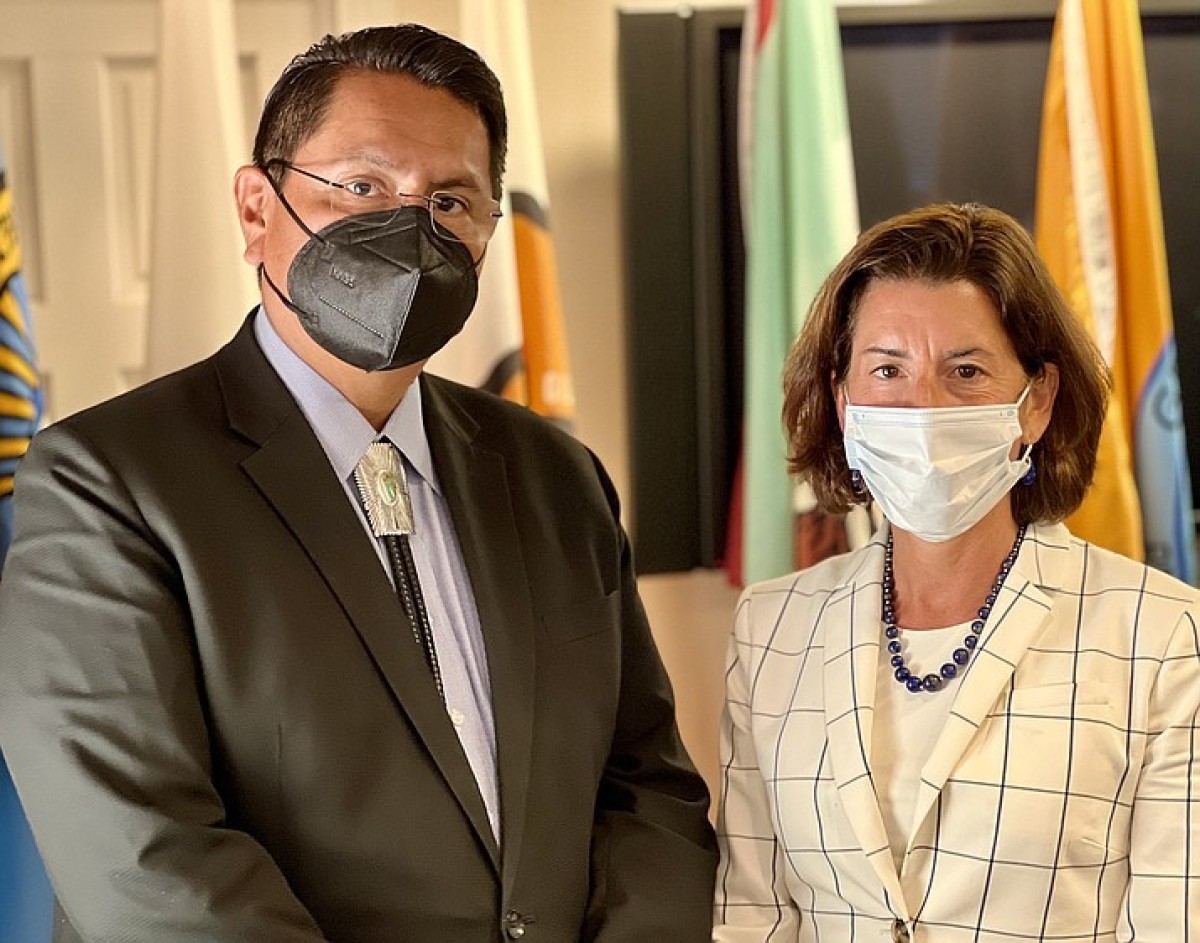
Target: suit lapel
{"x":851,"y":634}
{"x":475,"y":481}
{"x":1021,"y":611}
{"x":293,"y":473}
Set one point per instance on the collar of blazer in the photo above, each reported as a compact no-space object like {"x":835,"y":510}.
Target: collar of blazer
{"x":476,"y":481}
{"x":852,"y":657}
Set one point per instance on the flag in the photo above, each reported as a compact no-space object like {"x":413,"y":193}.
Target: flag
{"x":26,"y":903}
{"x":801,"y":213}
{"x":515,"y":343}
{"x":1099,"y":228}
{"x":200,"y":289}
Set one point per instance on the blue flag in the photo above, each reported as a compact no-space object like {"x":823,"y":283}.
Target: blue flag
{"x":26,"y":903}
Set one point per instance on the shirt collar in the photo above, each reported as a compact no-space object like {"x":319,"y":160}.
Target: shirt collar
{"x":341,"y":429}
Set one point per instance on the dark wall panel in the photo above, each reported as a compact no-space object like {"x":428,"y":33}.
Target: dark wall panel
{"x":942,"y":107}
{"x":653,"y":75}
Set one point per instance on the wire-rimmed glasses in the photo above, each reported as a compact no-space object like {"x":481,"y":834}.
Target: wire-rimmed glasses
{"x":458,"y":215}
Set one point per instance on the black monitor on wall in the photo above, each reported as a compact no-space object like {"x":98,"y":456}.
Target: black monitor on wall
{"x":945,"y":104}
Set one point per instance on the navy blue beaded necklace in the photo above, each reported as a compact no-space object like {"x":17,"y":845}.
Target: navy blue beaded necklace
{"x":960,"y":656}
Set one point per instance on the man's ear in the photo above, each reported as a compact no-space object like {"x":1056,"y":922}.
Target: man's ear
{"x":255,"y":200}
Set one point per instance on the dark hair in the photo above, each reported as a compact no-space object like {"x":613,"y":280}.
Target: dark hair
{"x":940,"y":244}
{"x":295,"y":106}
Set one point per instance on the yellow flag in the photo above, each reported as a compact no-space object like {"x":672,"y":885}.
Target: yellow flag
{"x":26,"y":902}
{"x":1099,"y":228}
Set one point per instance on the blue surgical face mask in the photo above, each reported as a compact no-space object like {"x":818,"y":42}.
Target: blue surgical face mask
{"x":935,"y":472}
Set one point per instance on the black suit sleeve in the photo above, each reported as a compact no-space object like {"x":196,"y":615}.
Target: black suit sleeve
{"x":653,"y":853}
{"x":102,"y":721}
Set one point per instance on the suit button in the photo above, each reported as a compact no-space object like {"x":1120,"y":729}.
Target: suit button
{"x":900,"y":932}
{"x":515,"y":924}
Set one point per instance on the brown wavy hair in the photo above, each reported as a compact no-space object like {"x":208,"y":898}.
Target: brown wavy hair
{"x":941,"y":244}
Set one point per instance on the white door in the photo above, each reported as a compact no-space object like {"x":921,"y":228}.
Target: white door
{"x":77,"y":100}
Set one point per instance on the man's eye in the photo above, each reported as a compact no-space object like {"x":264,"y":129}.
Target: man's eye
{"x":449,"y":203}
{"x":363,"y":188}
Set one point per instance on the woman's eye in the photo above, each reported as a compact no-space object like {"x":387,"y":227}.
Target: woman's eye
{"x":887,"y":371}
{"x":966,"y":371}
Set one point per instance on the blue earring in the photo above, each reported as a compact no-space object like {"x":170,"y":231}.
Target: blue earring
{"x":856,"y":482}
{"x":1030,"y":476}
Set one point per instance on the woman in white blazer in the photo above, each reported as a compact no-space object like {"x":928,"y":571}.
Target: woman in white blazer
{"x":977,"y":727}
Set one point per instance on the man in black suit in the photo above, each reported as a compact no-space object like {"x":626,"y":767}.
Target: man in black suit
{"x":230,"y":710}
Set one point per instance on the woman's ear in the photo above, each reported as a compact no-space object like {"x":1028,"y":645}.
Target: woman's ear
{"x":1039,"y":404}
{"x":839,"y":399}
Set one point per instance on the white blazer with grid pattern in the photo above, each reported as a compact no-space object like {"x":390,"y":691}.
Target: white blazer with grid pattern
{"x":1060,"y":802}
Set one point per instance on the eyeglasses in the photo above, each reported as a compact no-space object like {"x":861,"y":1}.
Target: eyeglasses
{"x":456,"y":215}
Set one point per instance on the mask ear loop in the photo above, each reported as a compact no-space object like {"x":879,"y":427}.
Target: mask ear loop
{"x":1026,"y":447}
{"x":477,"y":264}
{"x":288,"y":303}
{"x":1030,"y":476}
{"x":262,"y":269}
{"x":288,"y":206}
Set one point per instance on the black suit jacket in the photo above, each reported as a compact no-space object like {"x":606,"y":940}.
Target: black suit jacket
{"x":222,"y":729}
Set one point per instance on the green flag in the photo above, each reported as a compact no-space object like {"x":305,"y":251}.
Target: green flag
{"x":801,"y":217}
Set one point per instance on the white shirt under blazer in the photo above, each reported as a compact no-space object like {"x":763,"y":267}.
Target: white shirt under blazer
{"x":1061,"y":801}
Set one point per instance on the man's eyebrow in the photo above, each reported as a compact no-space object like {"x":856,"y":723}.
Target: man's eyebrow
{"x":460,"y":181}
{"x":364,"y":155}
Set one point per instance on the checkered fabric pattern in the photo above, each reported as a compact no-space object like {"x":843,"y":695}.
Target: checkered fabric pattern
{"x":1061,"y":801}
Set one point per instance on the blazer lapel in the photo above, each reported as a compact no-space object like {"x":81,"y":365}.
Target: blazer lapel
{"x":851,"y":636}
{"x":1022,"y":609}
{"x":475,"y":481}
{"x":293,"y":473}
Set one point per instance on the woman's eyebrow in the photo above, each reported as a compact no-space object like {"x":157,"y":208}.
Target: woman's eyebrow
{"x":966,"y":352}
